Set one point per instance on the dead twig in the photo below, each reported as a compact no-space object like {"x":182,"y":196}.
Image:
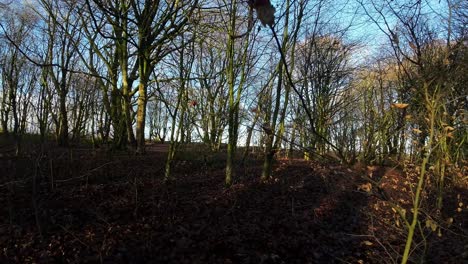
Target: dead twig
{"x":85,"y":174}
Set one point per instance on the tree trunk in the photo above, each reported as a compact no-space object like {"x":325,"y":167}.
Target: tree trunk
{"x":141,"y":117}
{"x":63,"y":119}
{"x":249,"y":136}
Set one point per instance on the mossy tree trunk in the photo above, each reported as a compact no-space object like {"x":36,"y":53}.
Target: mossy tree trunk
{"x":180,"y":112}
{"x":276,"y":122}
{"x":235,"y":91}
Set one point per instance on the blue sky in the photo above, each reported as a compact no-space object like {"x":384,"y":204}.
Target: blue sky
{"x":365,"y":31}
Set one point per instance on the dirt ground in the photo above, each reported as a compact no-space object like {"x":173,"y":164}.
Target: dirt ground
{"x":90,"y":206}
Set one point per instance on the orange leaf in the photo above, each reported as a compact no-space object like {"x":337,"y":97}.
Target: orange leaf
{"x":399,"y":105}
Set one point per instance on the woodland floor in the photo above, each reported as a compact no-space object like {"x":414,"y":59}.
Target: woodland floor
{"x":116,"y":209}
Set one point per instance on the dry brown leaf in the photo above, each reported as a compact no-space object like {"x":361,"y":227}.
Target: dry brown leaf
{"x":400,"y":105}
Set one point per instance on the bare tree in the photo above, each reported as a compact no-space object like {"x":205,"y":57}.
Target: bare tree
{"x":18,"y":76}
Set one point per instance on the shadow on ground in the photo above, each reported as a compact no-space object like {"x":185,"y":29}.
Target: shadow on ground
{"x":116,"y":209}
